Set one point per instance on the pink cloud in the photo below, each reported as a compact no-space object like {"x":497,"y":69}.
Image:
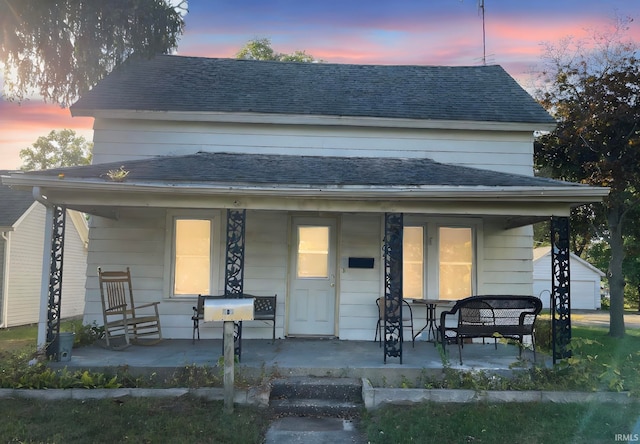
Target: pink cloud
{"x":22,"y":124}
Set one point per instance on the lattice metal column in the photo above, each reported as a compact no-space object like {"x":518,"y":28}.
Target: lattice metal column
{"x":234,"y":266}
{"x":393,"y":225}
{"x":55,"y":280}
{"x":560,"y":288}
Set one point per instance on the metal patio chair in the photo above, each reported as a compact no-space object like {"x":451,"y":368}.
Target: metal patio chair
{"x":407,"y":320}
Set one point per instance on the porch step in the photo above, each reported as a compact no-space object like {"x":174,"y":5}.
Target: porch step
{"x":310,"y":396}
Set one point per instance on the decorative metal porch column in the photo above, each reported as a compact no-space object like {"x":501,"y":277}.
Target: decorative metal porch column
{"x":560,"y":288}
{"x":55,"y":280}
{"x":393,"y":223}
{"x":234,"y":266}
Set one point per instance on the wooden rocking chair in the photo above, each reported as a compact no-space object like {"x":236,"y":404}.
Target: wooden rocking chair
{"x":122,"y":318}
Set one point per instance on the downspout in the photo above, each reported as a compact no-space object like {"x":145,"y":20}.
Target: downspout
{"x":46,"y":268}
{"x":5,"y":279}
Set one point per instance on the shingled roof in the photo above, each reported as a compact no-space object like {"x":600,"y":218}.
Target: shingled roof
{"x":13,"y":203}
{"x":197,"y":84}
{"x":316,"y":171}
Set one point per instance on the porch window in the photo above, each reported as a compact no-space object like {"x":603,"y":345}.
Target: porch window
{"x":438,"y":261}
{"x":455,"y":262}
{"x":194,"y":254}
{"x":413,"y":262}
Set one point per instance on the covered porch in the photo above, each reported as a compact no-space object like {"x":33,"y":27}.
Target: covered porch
{"x":308,"y":357}
{"x":370,"y":201}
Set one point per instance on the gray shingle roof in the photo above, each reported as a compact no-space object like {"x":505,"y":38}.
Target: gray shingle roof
{"x":265,"y":170}
{"x":196,"y":84}
{"x":13,"y":203}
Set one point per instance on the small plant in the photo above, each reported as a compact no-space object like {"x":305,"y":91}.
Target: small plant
{"x":118,"y":175}
{"x":85,"y":334}
{"x":543,"y":332}
{"x":194,"y":376}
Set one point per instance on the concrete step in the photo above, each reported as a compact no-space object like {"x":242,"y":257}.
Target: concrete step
{"x":310,"y":396}
{"x":315,"y":407}
{"x":339,"y":389}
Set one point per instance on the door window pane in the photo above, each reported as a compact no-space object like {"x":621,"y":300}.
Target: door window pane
{"x":456,"y":262}
{"x":413,"y":262}
{"x":192,"y":256}
{"x":313,"y":252}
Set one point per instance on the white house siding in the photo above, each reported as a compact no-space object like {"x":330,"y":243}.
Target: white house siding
{"x":119,"y":140}
{"x":138,"y":240}
{"x":505,"y":260}
{"x":25,"y":265}
{"x":135,"y":240}
{"x":266,"y":259}
{"x":74,"y":272}
{"x":25,"y":262}
{"x":360,"y":236}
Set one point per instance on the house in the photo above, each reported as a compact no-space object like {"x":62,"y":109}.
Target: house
{"x":22,"y":230}
{"x":586,"y":280}
{"x":316,"y":182}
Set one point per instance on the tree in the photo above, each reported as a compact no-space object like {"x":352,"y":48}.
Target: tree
{"x":58,"y":149}
{"x":260,"y":49}
{"x":60,"y":48}
{"x":631,"y":265}
{"x":593,"y":89}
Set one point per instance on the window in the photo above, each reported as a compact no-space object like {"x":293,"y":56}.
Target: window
{"x":413,"y":262}
{"x":194,"y":244}
{"x":438,"y":261}
{"x":313,"y":252}
{"x":455,"y":248}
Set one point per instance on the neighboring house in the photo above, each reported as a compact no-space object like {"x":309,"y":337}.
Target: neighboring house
{"x":22,"y":231}
{"x":585,"y":280}
{"x":318,"y":155}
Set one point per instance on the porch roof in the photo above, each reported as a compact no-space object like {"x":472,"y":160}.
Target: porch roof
{"x":264,"y":181}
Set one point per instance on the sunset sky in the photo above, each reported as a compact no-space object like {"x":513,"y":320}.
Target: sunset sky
{"x":420,"y":32}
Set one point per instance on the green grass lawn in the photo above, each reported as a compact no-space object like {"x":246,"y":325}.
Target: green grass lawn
{"x":15,"y":338}
{"x":190,"y":420}
{"x":525,"y":423}
{"x":146,"y":420}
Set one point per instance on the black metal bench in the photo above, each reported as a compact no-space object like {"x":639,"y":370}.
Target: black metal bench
{"x":491,"y":316}
{"x":264,"y":309}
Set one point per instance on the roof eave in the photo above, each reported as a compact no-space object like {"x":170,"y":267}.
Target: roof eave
{"x":574,"y":194}
{"x":302,"y":119}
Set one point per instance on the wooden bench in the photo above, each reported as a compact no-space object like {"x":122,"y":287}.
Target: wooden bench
{"x":491,"y":316}
{"x":264,"y":309}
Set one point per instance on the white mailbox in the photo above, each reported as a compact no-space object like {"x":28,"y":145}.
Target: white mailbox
{"x":228,"y":309}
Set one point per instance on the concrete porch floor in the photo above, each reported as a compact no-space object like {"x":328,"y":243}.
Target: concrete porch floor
{"x":305,"y":357}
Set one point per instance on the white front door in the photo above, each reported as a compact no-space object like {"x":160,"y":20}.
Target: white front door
{"x":312,"y":296}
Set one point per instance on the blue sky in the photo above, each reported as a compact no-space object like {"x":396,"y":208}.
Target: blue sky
{"x":425,"y":32}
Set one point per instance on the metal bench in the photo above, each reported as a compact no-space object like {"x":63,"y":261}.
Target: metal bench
{"x":491,"y":316}
{"x":264,"y":309}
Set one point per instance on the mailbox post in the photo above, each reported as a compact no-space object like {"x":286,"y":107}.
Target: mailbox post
{"x":229,"y":311}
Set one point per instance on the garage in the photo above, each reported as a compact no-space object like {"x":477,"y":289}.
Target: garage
{"x":585,"y":280}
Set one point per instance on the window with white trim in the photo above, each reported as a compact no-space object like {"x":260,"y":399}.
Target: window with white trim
{"x":413,"y":262}
{"x":439,"y":261}
{"x":194,"y":254}
{"x":455,"y":262}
